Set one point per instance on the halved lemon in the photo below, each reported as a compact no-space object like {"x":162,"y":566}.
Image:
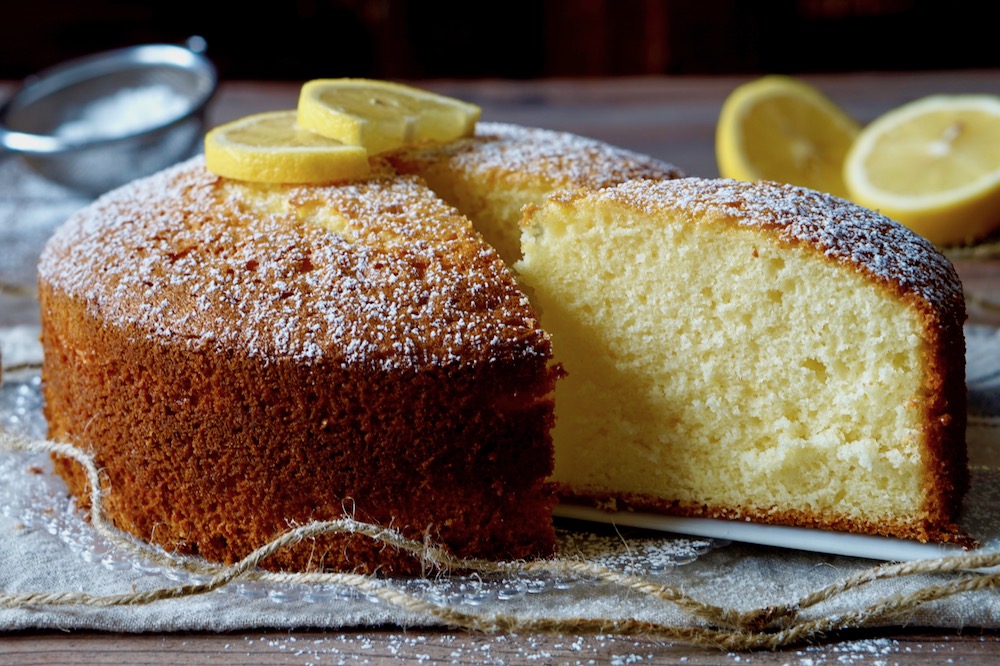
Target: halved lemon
{"x":933,"y":165}
{"x":271,"y":148}
{"x":381,"y":115}
{"x":782,"y":129}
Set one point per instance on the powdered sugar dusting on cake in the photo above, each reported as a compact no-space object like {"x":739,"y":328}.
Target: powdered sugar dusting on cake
{"x":561,"y":159}
{"x":843,"y":231}
{"x":378,"y":272}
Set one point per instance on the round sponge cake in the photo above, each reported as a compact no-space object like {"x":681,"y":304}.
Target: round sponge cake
{"x":241,"y":358}
{"x":244,"y":358}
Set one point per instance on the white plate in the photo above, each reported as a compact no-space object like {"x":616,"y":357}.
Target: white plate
{"x":980,"y":517}
{"x":801,"y":538}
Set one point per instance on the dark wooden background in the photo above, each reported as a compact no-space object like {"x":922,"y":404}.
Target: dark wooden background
{"x":705,"y":47}
{"x":419,"y":39}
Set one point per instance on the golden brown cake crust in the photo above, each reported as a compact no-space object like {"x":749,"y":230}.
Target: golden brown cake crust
{"x":237,"y":368}
{"x":493,"y":175}
{"x":897,"y":261}
{"x":515,"y":156}
{"x":844,"y":232}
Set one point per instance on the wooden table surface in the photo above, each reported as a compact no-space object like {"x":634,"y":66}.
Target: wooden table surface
{"x":670,"y":118}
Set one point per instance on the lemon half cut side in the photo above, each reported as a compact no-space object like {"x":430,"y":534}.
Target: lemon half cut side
{"x":270,"y":148}
{"x":933,"y":165}
{"x":783,"y":129}
{"x":382,"y":115}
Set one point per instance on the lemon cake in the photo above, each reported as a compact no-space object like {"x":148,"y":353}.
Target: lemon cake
{"x":491,"y":176}
{"x":243,"y":358}
{"x":751,"y":351}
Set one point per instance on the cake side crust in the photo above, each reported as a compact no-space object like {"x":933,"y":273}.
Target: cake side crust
{"x":241,"y":360}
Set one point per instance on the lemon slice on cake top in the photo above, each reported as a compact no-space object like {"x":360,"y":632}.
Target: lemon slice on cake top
{"x":381,"y":115}
{"x":271,"y":148}
{"x":337,"y":126}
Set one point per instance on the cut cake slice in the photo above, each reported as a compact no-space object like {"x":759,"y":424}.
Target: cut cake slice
{"x":751,"y":351}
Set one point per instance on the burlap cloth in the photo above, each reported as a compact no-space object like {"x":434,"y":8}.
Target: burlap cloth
{"x":664,"y":582}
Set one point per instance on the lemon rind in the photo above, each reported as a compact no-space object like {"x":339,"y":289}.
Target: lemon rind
{"x":730,"y":156}
{"x":378,"y":137}
{"x":287,"y":164}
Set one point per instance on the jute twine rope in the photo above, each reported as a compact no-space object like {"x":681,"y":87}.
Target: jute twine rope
{"x":767,"y":627}
{"x":17,"y":290}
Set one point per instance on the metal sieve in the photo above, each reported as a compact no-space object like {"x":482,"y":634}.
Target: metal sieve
{"x":96,"y":122}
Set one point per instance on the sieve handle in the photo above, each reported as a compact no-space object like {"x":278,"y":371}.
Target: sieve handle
{"x":23,"y":142}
